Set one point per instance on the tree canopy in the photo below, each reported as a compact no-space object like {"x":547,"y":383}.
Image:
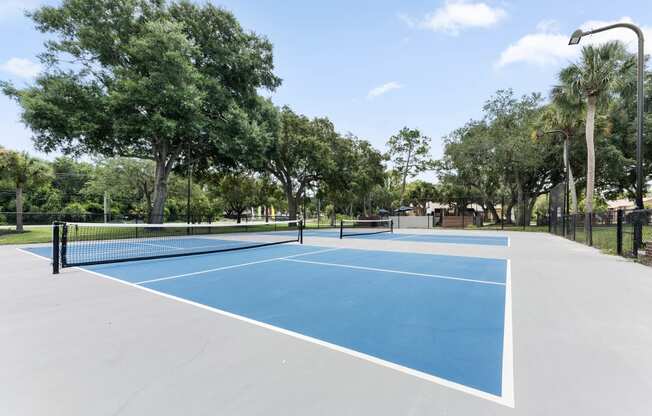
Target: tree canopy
{"x":149,"y":80}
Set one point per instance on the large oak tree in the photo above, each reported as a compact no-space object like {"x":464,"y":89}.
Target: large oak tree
{"x":151,"y":80}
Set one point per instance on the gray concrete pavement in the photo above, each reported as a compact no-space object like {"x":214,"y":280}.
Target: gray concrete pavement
{"x":83,"y":345}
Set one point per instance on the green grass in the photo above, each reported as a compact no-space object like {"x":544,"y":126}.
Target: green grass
{"x":8,"y":235}
{"x":605,"y":239}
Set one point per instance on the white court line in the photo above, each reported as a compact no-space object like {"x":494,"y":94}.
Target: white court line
{"x":34,"y":254}
{"x":507,"y":389}
{"x":436,"y":276}
{"x":405,"y":236}
{"x":508,"y":394}
{"x":233,"y":266}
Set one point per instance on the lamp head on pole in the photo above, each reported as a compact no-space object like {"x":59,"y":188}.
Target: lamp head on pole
{"x":576,"y":37}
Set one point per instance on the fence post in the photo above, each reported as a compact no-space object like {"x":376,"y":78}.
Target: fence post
{"x":55,"y":248}
{"x":619,"y":232}
{"x":637,"y":219}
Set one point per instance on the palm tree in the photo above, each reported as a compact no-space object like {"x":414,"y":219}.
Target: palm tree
{"x":592,"y":78}
{"x":22,"y":170}
{"x":564,"y":115}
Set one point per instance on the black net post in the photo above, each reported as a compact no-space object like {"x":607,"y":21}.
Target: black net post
{"x":391,"y":225}
{"x":619,"y":232}
{"x":301,"y":232}
{"x":55,"y":248}
{"x":63,"y":253}
{"x":341,"y":229}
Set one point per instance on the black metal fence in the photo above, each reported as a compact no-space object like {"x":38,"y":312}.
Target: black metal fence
{"x":626,"y":232}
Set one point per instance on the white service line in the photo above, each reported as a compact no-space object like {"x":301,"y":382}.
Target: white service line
{"x":233,"y":266}
{"x":373,"y":269}
{"x":404,"y":236}
{"x":507,"y":389}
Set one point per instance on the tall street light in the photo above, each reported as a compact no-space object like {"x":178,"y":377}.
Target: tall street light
{"x":574,"y":40}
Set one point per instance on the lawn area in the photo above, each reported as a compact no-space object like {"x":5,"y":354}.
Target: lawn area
{"x":605,"y":239}
{"x":33,"y":234}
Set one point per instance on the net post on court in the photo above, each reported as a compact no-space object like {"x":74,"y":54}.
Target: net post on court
{"x":350,"y":228}
{"x":86,"y":244}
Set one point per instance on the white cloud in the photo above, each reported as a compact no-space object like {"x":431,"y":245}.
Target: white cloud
{"x":550,"y":47}
{"x":457,"y":15}
{"x":539,"y":48}
{"x":23,"y":68}
{"x":383,"y":89}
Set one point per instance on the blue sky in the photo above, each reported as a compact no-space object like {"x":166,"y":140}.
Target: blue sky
{"x":373,"y":67}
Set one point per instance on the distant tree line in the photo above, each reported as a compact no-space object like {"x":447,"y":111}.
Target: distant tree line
{"x":515,"y":152}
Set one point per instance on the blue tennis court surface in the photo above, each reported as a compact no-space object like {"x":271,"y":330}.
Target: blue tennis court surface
{"x":432,"y":237}
{"x":441,"y":316}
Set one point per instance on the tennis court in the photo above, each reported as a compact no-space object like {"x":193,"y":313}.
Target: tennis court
{"x":441,"y":318}
{"x":326,"y":327}
{"x":433,"y":237}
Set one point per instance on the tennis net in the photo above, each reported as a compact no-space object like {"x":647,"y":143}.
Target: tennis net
{"x":350,"y":228}
{"x":85,"y":244}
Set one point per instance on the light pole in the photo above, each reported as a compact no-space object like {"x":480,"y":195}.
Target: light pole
{"x":574,"y":40}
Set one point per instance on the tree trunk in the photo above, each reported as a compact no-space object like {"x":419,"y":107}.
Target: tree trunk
{"x":165,"y":160}
{"x":530,"y":207}
{"x":573,"y":191}
{"x":520,"y":215}
{"x":405,"y":173}
{"x":19,"y":208}
{"x":508,"y":213}
{"x":160,"y":193}
{"x":492,"y":208}
{"x":590,"y":153}
{"x":292,"y":205}
{"x":148,"y":198}
{"x":571,"y":181}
